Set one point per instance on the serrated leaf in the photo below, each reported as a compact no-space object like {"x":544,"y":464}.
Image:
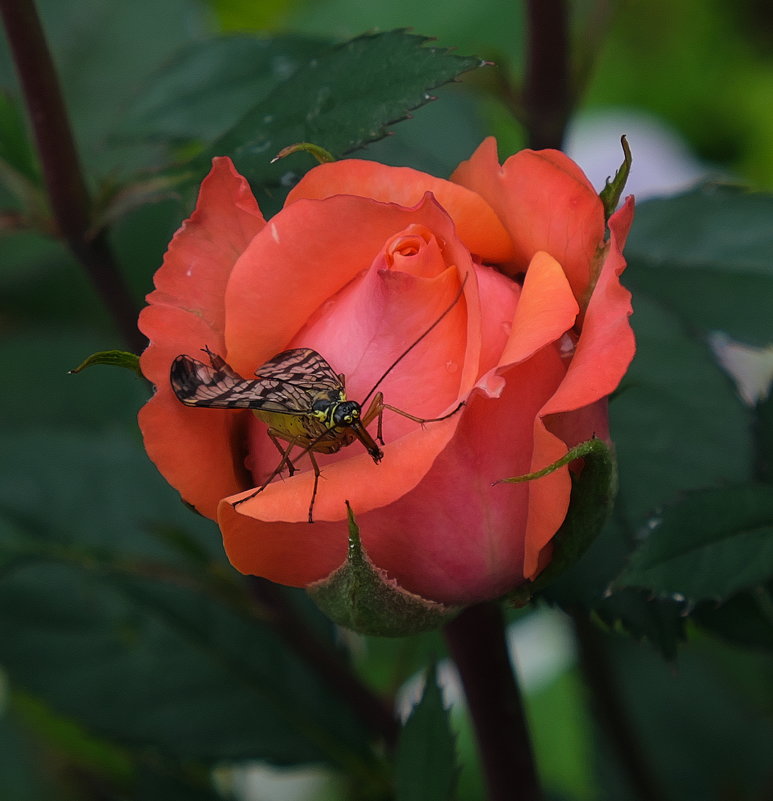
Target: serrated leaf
{"x":745,"y":619}
{"x":676,"y":421}
{"x":204,"y":88}
{"x":361,"y":596}
{"x":593,"y":493}
{"x":707,"y":546}
{"x":707,"y":255}
{"x":659,"y":621}
{"x":425,"y":762}
{"x":340,"y":101}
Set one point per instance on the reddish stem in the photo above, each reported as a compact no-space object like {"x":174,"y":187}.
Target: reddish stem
{"x":476,"y":641}
{"x":67,"y":190}
{"x":547,"y":95}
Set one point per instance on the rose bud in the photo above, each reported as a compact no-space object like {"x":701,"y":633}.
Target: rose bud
{"x":484,"y":314}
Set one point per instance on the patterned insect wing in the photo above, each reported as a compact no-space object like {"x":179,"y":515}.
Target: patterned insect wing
{"x":213,"y":385}
{"x":301,"y":367}
{"x":286,"y":384}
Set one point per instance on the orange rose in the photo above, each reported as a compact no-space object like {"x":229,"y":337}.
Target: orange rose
{"x":359,"y":263}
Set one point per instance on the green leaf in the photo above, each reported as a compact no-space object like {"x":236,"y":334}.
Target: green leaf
{"x":115,"y":358}
{"x":676,"y":421}
{"x":704,"y":726}
{"x":362,"y":597}
{"x":593,"y":493}
{"x":425,"y":762}
{"x":660,"y":621}
{"x":763,"y":428}
{"x":707,"y":546}
{"x":116,"y":627}
{"x":706,"y":255}
{"x":745,"y":619}
{"x":205,"y":87}
{"x":340,"y":101}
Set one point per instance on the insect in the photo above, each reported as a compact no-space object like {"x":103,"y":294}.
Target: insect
{"x":300,"y":397}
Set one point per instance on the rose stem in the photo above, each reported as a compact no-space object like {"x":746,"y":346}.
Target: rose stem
{"x":67,"y":191}
{"x":547,"y":96}
{"x":476,"y":641}
{"x":609,"y":711}
{"x":294,"y":631}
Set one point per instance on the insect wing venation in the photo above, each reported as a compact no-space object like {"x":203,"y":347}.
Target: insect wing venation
{"x":301,"y":367}
{"x":287,"y":385}
{"x":198,"y":384}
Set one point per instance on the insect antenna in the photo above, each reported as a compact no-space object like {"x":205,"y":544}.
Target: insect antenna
{"x":416,"y":342}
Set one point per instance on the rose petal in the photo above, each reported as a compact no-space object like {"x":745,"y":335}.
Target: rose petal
{"x":604,"y":351}
{"x":303,"y":258}
{"x":476,"y":223}
{"x":606,"y":345}
{"x":194,"y":448}
{"x":268,"y":535}
{"x":546,"y":310}
{"x":456,"y":537}
{"x":202,"y":253}
{"x":545,"y":202}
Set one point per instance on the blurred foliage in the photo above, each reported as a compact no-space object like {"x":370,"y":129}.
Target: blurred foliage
{"x":134,"y":662}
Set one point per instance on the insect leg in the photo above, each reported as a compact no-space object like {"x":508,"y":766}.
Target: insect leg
{"x":284,"y":453}
{"x":376,"y":409}
{"x":422,"y":420}
{"x":316,"y":482}
{"x":277,"y":470}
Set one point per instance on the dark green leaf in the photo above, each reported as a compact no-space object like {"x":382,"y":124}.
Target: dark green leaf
{"x":659,"y":621}
{"x":425,"y":763}
{"x":709,"y":545}
{"x":696,"y":251}
{"x":763,"y":429}
{"x":15,"y":147}
{"x":362,"y":597}
{"x":115,"y":358}
{"x":593,"y":493}
{"x":341,"y":100}
{"x":705,"y":734}
{"x":745,"y":619}
{"x":119,"y":629}
{"x":677,"y":422}
{"x":205,"y":88}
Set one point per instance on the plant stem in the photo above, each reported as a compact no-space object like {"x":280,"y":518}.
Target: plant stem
{"x":67,"y":190}
{"x":547,"y":95}
{"x":338,"y":674}
{"x":609,"y":710}
{"x":476,"y":641}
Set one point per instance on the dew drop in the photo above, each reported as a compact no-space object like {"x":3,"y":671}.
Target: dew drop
{"x":452,"y":366}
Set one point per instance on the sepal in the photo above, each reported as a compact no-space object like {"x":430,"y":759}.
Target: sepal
{"x":361,"y":597}
{"x":593,"y":495}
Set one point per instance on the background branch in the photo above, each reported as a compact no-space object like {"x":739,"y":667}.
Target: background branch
{"x":476,"y":641}
{"x":66,"y":186}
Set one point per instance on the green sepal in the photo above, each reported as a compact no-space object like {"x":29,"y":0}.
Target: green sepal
{"x":116,"y":358}
{"x":320,"y":154}
{"x":591,"y":501}
{"x":613,"y":188}
{"x":360,"y":596}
